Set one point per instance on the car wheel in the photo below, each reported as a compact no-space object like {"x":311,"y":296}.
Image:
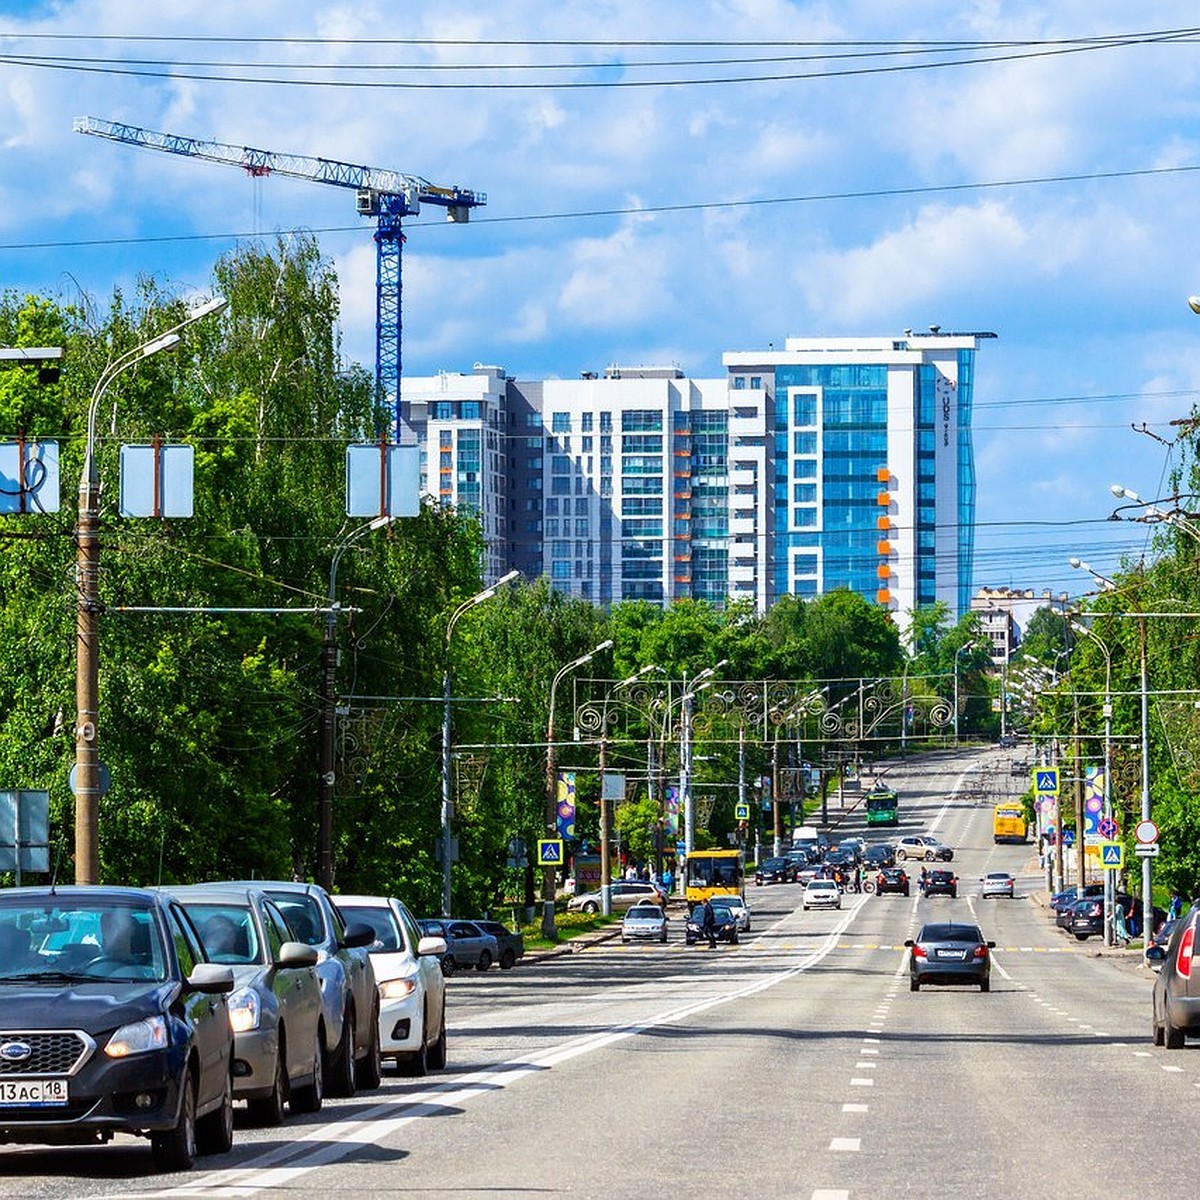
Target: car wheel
{"x":664,"y":936}
{"x":310,"y":1097}
{"x":508,"y":960}
{"x":624,"y":939}
{"x":901,"y":855}
{"x":449,"y":966}
{"x":591,"y":908}
{"x":484,"y":961}
{"x":985,"y":985}
{"x":1156,"y":1032}
{"x":175,"y":1149}
{"x":368,"y":1071}
{"x":214,"y":1130}
{"x":436,"y":1055}
{"x":1173,"y":1037}
{"x":1081,"y":937}
{"x":341,"y":1067}
{"x":733,"y":941}
{"x":416,"y":1064}
{"x":269,"y":1110}
{"x":929,"y":856}
{"x":914,"y":985}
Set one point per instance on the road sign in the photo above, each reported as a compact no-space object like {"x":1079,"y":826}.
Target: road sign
{"x":1045,"y":781}
{"x":1146,"y":849}
{"x":1146,"y":831}
{"x":1112,"y":856}
{"x":550,"y":852}
{"x":1107,"y":828}
{"x":1068,"y":837}
{"x":741,"y":812}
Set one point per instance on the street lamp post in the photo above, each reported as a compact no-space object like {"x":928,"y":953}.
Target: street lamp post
{"x":549,"y":929}
{"x":701,"y":681}
{"x":89,"y":607}
{"x":326,"y":773}
{"x":964,"y":646}
{"x":447,"y":802}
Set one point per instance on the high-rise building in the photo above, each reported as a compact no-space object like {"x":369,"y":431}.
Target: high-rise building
{"x":829,"y":463}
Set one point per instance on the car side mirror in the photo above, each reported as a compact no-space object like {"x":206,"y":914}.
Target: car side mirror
{"x":432,"y":945}
{"x":991,"y":945}
{"x":1156,"y":954}
{"x":294,"y":955}
{"x":358,"y":933}
{"x":211,"y":978}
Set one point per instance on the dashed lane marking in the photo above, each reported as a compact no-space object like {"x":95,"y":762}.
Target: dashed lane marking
{"x":844,"y":1145}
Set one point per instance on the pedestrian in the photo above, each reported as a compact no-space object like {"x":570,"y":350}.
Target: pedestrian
{"x":857,"y":878}
{"x":668,"y":879}
{"x":1119,"y":926}
{"x":1175,"y":909}
{"x":708,"y":923}
{"x":924,"y":879}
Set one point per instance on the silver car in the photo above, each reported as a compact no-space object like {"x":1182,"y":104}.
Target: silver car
{"x":275,"y":1007}
{"x":997,"y":883}
{"x":644,"y":922}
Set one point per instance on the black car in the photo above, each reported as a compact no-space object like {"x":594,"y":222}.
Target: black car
{"x":725,"y":925}
{"x":775,"y":870}
{"x":941,"y":883}
{"x":892,"y":879}
{"x":510,"y":941}
{"x":949,"y":953}
{"x":112,"y":1021}
{"x":879,"y":854}
{"x":1085,"y":918}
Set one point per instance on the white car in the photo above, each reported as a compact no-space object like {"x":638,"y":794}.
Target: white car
{"x":997,"y":883}
{"x":740,"y":909}
{"x":412,"y":987}
{"x":644,"y":922}
{"x":822,"y":893}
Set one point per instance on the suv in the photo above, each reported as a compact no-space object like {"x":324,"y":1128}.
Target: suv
{"x":892,"y":879}
{"x":623,"y":893}
{"x":922,"y":846}
{"x":348,"y":992}
{"x":941,"y":883}
{"x":113,"y":1021}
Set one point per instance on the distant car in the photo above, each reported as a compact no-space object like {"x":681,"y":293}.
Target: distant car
{"x":279,"y":1035}
{"x":466,"y":944}
{"x":997,"y":883}
{"x":644,"y":922}
{"x":510,"y":941}
{"x":622,"y":894}
{"x":1007,"y":741}
{"x":348,"y":992}
{"x":1085,"y":918}
{"x":892,"y":879}
{"x":1019,"y":767}
{"x":775,"y":870}
{"x":412,"y":987}
{"x":879,"y":854}
{"x":807,"y":872}
{"x":113,"y":1021}
{"x":922,"y":846}
{"x":725,"y":925}
{"x":941,"y":883}
{"x":1176,"y":996}
{"x":949,"y":953}
{"x":740,"y":909}
{"x":846,"y":860}
{"x":1160,"y":939}
{"x":822,"y":893}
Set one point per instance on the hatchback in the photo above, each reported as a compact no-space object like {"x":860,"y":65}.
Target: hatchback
{"x":949,"y":953}
{"x":644,"y":922}
{"x":892,"y":879}
{"x":112,"y":1020}
{"x":879,"y":854}
{"x":1176,"y":996}
{"x":1086,"y":917}
{"x":941,"y":883}
{"x":822,"y":893}
{"x":623,"y":893}
{"x":724,"y":925}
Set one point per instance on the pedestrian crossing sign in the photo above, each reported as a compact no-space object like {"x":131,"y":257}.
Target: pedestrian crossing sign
{"x":550,"y":852}
{"x":1045,"y":781}
{"x":1112,"y":855}
{"x":741,"y":812}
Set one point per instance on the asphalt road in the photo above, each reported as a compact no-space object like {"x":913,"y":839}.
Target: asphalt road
{"x":797,"y":1064}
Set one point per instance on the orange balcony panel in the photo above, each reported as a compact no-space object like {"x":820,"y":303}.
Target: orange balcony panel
{"x":883,"y":499}
{"x":883,"y":596}
{"x":883,"y":571}
{"x":883,"y":475}
{"x":884,"y":522}
{"x":884,"y":548}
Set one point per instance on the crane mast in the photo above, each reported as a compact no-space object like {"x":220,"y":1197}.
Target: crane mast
{"x":386,"y":195}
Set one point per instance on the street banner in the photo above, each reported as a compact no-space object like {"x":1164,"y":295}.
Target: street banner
{"x":566,"y":804}
{"x":671,"y":808}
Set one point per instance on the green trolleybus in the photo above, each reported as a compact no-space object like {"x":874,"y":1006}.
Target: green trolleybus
{"x":883,"y":807}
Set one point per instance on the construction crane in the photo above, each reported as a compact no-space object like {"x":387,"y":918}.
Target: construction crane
{"x":386,"y":195}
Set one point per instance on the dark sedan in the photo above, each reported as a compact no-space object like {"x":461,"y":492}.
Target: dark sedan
{"x":879,"y":854}
{"x":112,"y":1021}
{"x":725,"y":925}
{"x":950,"y":953}
{"x":1176,"y":996}
{"x":775,"y":870}
{"x":1085,"y":918}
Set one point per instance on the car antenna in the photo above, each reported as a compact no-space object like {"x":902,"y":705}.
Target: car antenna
{"x":57,"y":862}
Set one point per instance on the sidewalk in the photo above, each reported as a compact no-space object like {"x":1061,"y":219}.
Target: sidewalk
{"x":1128,"y":955}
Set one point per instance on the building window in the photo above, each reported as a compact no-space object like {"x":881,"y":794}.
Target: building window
{"x":552,"y":508}
{"x":647,"y":420}
{"x":606,"y":422}
{"x":445,"y":439}
{"x":756,"y":383}
{"x":470,"y":410}
{"x":586,"y":422}
{"x":560,"y":464}
{"x":560,"y":422}
{"x":739,"y":383}
{"x":560,"y":570}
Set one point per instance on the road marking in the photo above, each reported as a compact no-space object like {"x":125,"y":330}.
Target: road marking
{"x":856,"y":1108}
{"x":830,"y":1194}
{"x":1172,"y":1069}
{"x":862,"y":1082}
{"x":868,"y":1050}
{"x":1141,"y":1054}
{"x":846,"y":1144}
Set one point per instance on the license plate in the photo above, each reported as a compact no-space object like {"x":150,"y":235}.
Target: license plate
{"x":952,"y":954}
{"x":32,"y":1093}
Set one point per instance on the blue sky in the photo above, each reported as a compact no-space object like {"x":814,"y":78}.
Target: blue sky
{"x":648,"y":204}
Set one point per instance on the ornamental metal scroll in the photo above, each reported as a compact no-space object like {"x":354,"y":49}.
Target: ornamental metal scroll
{"x":1180,"y":720}
{"x":362,"y":734}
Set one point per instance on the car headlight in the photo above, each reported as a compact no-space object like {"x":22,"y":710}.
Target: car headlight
{"x":245,"y":1010}
{"x":397,"y":989}
{"x":137,"y":1037}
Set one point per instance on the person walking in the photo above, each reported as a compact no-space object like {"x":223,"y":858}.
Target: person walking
{"x":708,"y":923}
{"x":1120,"y":929}
{"x":1175,"y":909}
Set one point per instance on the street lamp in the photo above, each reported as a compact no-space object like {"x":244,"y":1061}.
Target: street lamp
{"x":326,"y":774}
{"x":447,"y":803}
{"x":548,"y":928}
{"x":701,"y":681}
{"x":964,"y":646}
{"x":88,"y":606}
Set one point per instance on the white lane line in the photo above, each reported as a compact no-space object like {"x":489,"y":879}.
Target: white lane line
{"x":856,"y":1108}
{"x":870,"y":1041}
{"x":1141,"y":1054}
{"x":830,"y":1194}
{"x":868,"y":1050}
{"x":865,"y":1066}
{"x":862,"y":1083}
{"x":1173,"y":1070}
{"x":843,"y":1145}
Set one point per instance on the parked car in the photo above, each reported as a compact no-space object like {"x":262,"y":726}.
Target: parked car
{"x":922,"y":846}
{"x":511,"y":943}
{"x":644,"y":922}
{"x":775,"y":870}
{"x":1176,"y":996}
{"x":275,"y":1010}
{"x":1086,"y":917}
{"x":725,"y":925}
{"x":941,"y":883}
{"x":348,"y":991}
{"x":997,"y":883}
{"x":822,"y":893}
{"x":892,"y":879}
{"x":412,"y":987}
{"x":1161,"y":938}
{"x":466,"y":944}
{"x":949,"y":953}
{"x":622,"y":894}
{"x":879,"y":854}
{"x":109,"y":995}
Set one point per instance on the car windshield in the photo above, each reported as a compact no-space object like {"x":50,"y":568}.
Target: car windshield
{"x":228,"y":933}
{"x":388,"y":938}
{"x":721,"y":913}
{"x":822,"y":885}
{"x":83,"y":939}
{"x":303,"y":915}
{"x":950,"y":933}
{"x":1001,"y":876}
{"x":647,"y":912}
